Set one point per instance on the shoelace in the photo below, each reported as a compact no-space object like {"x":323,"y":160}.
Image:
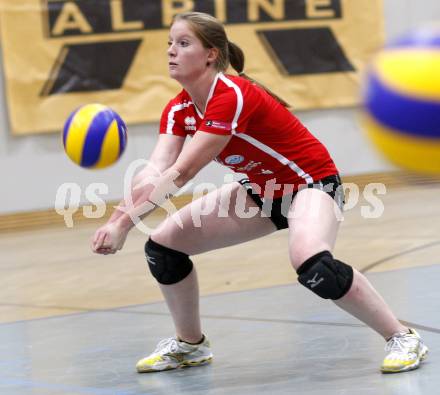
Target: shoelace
{"x":398,"y":344}
{"x":166,"y":346}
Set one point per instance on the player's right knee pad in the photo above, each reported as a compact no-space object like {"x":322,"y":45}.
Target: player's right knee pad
{"x":168,"y":266}
{"x":325,"y":276}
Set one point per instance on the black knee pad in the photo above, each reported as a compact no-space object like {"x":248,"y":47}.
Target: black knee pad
{"x":168,"y":266}
{"x":325,"y":276}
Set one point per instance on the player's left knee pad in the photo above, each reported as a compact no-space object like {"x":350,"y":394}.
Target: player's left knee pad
{"x":325,"y":276}
{"x":168,"y":266}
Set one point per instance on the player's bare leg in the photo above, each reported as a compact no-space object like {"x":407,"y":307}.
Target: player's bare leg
{"x":221,"y":225}
{"x":201,"y":233}
{"x":312,"y":228}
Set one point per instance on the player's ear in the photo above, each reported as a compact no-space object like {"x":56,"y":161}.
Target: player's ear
{"x":212,"y":55}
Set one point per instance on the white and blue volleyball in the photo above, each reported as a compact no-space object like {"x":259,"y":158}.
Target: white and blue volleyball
{"x":94,"y":136}
{"x":402,"y":101}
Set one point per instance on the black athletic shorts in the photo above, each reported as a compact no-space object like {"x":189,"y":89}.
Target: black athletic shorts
{"x":277,"y":209}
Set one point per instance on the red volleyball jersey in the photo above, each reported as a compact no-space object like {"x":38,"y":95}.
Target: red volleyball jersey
{"x":268,"y":143}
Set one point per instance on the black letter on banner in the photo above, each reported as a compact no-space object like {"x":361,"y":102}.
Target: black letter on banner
{"x":91,"y":67}
{"x":98,"y":15}
{"x":96,"y":12}
{"x":237,"y":10}
{"x":305,"y":51}
{"x":148,"y":11}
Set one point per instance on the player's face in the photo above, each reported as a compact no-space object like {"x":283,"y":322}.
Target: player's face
{"x":187,"y":57}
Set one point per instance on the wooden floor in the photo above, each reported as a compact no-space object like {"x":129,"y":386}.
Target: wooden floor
{"x":51,"y":271}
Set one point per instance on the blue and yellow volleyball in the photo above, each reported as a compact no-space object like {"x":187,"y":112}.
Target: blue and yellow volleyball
{"x":402,"y":101}
{"x":94,"y":136}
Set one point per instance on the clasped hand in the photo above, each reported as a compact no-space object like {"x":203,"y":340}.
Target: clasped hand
{"x":109,"y":239}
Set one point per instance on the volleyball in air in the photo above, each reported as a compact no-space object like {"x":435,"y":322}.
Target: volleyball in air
{"x":401,"y":100}
{"x":94,"y":136}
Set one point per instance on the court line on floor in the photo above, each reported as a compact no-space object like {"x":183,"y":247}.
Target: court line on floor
{"x":119,"y":310}
{"x":122,"y":310}
{"x":287,"y":321}
{"x":78,"y":311}
{"x":399,"y":254}
{"x":253,"y":319}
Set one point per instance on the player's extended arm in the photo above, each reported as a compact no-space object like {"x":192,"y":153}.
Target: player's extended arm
{"x":111,"y":237}
{"x":152,"y":190}
{"x":165,"y":154}
{"x":202,"y":149}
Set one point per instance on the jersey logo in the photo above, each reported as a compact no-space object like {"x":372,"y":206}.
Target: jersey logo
{"x":219,"y":125}
{"x":190,"y":123}
{"x":234,"y":159}
{"x":250,"y":166}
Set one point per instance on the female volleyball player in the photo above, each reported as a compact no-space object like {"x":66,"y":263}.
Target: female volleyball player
{"x":292,"y":178}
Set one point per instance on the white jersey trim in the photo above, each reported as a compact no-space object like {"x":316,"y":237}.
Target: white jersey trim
{"x":237,"y":90}
{"x":211,"y":92}
{"x":171,"y":121}
{"x":274,"y":154}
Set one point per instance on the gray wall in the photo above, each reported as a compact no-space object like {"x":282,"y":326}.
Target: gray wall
{"x":33,"y":167}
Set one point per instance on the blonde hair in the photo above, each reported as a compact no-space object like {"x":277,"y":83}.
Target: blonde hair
{"x":211,"y":32}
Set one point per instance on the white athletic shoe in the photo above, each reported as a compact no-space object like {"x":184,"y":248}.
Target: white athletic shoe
{"x":405,"y":352}
{"x":172,"y":354}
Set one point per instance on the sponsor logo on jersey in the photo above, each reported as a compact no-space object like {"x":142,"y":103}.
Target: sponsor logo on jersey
{"x":190,"y":123}
{"x":249,"y":166}
{"x":219,"y":125}
{"x":234,"y":159}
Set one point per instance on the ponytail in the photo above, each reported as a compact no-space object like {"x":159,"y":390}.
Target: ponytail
{"x":236,"y":59}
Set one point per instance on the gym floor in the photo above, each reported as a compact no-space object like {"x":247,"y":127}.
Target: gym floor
{"x":72,"y":322}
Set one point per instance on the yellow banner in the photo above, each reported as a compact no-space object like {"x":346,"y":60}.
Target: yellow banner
{"x":61,"y":54}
